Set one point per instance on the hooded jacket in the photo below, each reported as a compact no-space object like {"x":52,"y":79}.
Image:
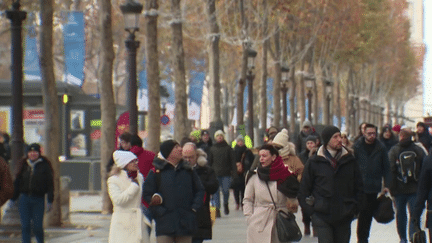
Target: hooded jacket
{"x":301,"y":140}
{"x":222,"y":159}
{"x":335,"y":194}
{"x":182,"y":195}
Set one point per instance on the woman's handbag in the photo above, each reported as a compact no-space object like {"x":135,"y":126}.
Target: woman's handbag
{"x":384,"y":213}
{"x":286,"y":225}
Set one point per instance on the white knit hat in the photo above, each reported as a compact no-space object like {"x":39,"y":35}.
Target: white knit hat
{"x":122,"y":158}
{"x":219,"y":132}
{"x":281,"y":138}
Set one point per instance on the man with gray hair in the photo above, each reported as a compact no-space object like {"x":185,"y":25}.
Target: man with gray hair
{"x":197,"y":158}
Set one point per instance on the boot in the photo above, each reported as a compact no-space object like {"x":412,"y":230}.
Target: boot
{"x":226,"y":209}
{"x":307,"y":229}
{"x":218,"y":214}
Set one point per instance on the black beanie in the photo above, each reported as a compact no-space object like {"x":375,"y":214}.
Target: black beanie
{"x":311,"y":138}
{"x":327,"y":133}
{"x":34,"y":147}
{"x":166,"y":147}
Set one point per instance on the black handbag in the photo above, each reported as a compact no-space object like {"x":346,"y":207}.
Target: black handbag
{"x":286,"y":225}
{"x":384,"y":213}
{"x":419,"y":237}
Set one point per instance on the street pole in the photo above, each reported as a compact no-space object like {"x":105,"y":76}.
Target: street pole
{"x":16,"y":17}
{"x":284,"y":105}
{"x":132,"y":46}
{"x":309,"y":96}
{"x":250,"y":78}
{"x":328,"y":110}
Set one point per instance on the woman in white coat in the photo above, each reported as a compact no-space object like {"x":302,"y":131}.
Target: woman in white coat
{"x":273,"y":177}
{"x":125,"y":190}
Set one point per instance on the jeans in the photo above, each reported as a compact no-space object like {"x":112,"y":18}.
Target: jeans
{"x":401,"y":202}
{"x":365,"y":217}
{"x":224,"y":183}
{"x":171,"y":239}
{"x":329,"y":233}
{"x":31,"y":209}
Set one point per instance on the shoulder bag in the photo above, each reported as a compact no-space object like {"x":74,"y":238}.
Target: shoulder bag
{"x":286,"y":225}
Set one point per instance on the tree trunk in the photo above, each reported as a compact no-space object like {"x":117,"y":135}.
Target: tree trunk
{"x":301,"y":102}
{"x":181,"y":124}
{"x":51,"y":105}
{"x":292,"y":97}
{"x":348,"y":104}
{"x":108,"y":110}
{"x":388,"y":113}
{"x":264,"y":75}
{"x":277,"y":83}
{"x":153,"y":80}
{"x":214,"y":82}
{"x":338,"y":105}
{"x":242,"y":81}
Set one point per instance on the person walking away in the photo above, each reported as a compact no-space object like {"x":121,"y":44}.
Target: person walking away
{"x":423,"y":135}
{"x":124,"y":188}
{"x":271,"y":179}
{"x":197,"y":158}
{"x":373,"y":160}
{"x":175,"y":194}
{"x":405,"y":164}
{"x":424,"y":193}
{"x":286,"y":150}
{"x":331,"y":189}
{"x":307,"y":130}
{"x":388,"y":138}
{"x":33,"y":181}
{"x":244,"y":159}
{"x":222,"y":160}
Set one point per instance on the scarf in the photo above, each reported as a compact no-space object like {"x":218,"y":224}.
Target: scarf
{"x":132,"y":174}
{"x":331,"y":159}
{"x":286,"y":181}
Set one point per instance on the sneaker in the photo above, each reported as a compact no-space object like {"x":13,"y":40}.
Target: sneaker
{"x":226,"y":209}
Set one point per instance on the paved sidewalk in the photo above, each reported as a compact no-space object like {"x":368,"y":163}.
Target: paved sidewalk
{"x":88,"y":225}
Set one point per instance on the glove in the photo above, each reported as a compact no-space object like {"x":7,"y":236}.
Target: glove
{"x":48,"y":207}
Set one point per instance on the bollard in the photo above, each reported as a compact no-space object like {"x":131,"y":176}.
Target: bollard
{"x":65,"y":197}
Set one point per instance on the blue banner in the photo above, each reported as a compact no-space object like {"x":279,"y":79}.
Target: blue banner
{"x":196,"y":84}
{"x":31,"y":56}
{"x":74,"y":48}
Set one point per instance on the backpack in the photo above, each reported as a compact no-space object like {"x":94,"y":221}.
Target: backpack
{"x":406,"y":164}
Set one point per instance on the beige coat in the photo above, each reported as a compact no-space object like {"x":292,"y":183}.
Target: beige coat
{"x":127,"y":222}
{"x":260,"y":212}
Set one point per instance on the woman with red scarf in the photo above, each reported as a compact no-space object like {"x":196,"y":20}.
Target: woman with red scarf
{"x":273,"y":177}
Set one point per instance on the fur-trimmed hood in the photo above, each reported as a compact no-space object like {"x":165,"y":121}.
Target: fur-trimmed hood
{"x":202,"y":158}
{"x":160,"y":163}
{"x":287,"y":150}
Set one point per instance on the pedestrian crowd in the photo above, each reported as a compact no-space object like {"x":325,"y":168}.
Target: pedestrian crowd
{"x":331,"y":176}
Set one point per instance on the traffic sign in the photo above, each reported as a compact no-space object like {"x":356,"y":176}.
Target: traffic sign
{"x":164,"y":120}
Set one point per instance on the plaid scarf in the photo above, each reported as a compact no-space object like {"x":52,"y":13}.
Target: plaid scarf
{"x":333,"y":160}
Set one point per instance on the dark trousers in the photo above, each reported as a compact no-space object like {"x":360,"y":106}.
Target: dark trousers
{"x":327,"y":233}
{"x":239,"y":194}
{"x":31,"y":209}
{"x":365,"y":217}
{"x":402,"y":201}
{"x":306,"y":218}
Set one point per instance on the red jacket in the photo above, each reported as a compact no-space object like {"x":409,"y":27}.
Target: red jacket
{"x":145,"y":162}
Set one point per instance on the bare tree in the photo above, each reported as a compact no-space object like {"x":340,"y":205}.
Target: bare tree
{"x":51,"y":107}
{"x":108,"y":108}
{"x":153,"y":79}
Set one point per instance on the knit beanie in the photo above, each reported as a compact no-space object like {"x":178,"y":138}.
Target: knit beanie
{"x":281,"y":138}
{"x":240,"y":138}
{"x":311,"y":138}
{"x":218,"y":133}
{"x":307,"y":123}
{"x":34,"y":147}
{"x":396,"y":128}
{"x":327,"y":133}
{"x":166,"y":147}
{"x":122,"y":158}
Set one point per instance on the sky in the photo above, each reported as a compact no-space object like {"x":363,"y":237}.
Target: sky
{"x":427,"y":72}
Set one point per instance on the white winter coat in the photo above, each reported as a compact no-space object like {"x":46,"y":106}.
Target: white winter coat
{"x":260,"y":211}
{"x":127,"y":222}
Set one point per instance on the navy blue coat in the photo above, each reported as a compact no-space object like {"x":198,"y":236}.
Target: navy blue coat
{"x":424,"y":192}
{"x":182,"y":196}
{"x":373,"y":167}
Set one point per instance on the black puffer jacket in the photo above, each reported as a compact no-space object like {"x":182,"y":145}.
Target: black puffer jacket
{"x":337,"y":192}
{"x":222,"y":159}
{"x":424,"y":193}
{"x":35,"y":182}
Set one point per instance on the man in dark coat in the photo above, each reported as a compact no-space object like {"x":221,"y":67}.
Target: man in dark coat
{"x":372,"y":158}
{"x":423,"y":135}
{"x":402,"y":188}
{"x":205,"y":142}
{"x":332,"y":188}
{"x":307,"y":130}
{"x":175,"y":193}
{"x":424,"y":193}
{"x":197,"y":158}
{"x":222,"y":160}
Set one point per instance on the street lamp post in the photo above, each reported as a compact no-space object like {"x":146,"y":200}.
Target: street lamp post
{"x":309,"y":81}
{"x":17,"y":17}
{"x":131,"y":11}
{"x":250,"y":77}
{"x":328,"y":91}
{"x":285,"y":78}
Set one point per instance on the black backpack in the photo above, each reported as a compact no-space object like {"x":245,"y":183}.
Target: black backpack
{"x":407,"y":166}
